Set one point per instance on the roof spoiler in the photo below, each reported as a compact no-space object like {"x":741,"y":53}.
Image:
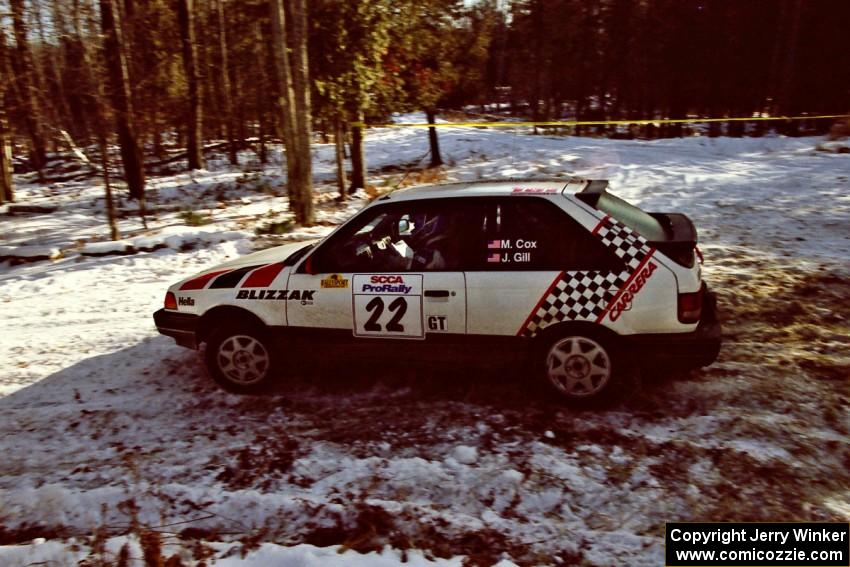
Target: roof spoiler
{"x":593,"y":191}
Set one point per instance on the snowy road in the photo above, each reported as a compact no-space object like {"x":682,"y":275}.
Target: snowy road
{"x":107,"y":429}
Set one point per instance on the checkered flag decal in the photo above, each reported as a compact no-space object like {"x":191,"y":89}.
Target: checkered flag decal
{"x":583,"y":296}
{"x":628,"y":245}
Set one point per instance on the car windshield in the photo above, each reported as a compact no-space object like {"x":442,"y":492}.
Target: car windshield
{"x":631,"y":216}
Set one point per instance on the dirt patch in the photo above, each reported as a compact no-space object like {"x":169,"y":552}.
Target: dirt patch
{"x":27,"y":532}
{"x":372,"y":528}
{"x":261,"y":462}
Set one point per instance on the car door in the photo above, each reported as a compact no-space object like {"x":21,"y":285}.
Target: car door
{"x":392,"y":280}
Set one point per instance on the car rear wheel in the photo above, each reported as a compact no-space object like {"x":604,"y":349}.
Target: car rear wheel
{"x":587,"y":369}
{"x":241,"y":359}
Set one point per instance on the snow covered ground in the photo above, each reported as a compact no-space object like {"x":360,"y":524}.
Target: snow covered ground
{"x":115,"y":444}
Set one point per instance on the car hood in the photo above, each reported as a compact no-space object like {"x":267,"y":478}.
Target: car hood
{"x":268,"y":256}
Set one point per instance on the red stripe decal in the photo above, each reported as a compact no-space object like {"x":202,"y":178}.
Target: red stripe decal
{"x":263,"y":277}
{"x":539,"y":303}
{"x":201,"y":281}
{"x":601,"y":224}
{"x":626,"y":285}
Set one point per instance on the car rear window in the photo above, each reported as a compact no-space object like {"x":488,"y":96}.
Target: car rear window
{"x":631,"y":216}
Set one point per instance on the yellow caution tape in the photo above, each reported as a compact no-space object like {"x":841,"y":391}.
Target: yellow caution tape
{"x":596,"y":122}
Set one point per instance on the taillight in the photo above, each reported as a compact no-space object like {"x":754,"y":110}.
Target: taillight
{"x":690,"y":307}
{"x":170,"y":301}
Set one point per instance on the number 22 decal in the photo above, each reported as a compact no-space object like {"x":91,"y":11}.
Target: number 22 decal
{"x":387,"y":306}
{"x":398,"y":307}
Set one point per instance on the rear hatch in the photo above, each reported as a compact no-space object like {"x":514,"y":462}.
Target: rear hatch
{"x":672,"y":234}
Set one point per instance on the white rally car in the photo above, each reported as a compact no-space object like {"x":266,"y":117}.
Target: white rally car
{"x":561,"y":272}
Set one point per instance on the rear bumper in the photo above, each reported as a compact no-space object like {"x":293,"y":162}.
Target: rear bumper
{"x":182,"y":327}
{"x":684,"y":350}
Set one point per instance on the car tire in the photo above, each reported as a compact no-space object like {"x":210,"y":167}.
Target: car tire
{"x":587,"y":368}
{"x":241,"y":358}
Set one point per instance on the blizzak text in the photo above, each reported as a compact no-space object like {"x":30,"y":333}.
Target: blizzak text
{"x":277,"y":294}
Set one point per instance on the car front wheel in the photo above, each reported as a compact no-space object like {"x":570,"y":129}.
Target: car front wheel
{"x":241,"y":359}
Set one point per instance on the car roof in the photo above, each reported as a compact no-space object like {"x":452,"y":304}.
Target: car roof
{"x":487,"y":188}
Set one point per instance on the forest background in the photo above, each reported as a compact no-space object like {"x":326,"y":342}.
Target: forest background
{"x":164,"y":81}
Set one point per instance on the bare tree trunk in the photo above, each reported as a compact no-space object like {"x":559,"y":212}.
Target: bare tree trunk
{"x":28,"y":95}
{"x":358,"y":158}
{"x":434,"y":144}
{"x":116,"y":65}
{"x":261,"y":133}
{"x":226,"y":92}
{"x":7,"y":191}
{"x":52,"y":96}
{"x":156,"y":133}
{"x":303,"y":111}
{"x":237,"y":123}
{"x":7,"y":188}
{"x":212,"y":124}
{"x":110,"y":205}
{"x":261,"y":89}
{"x":77,"y":62}
{"x":98,"y":99}
{"x":285,"y":101}
{"x":59,"y":69}
{"x":339,"y":147}
{"x":186,"y":19}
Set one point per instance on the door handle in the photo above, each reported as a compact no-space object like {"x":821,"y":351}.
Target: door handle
{"x":436,"y":293}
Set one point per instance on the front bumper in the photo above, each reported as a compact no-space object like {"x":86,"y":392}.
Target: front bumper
{"x":182,"y":327}
{"x":684,"y":350}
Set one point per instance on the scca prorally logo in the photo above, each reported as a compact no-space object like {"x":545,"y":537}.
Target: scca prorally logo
{"x":386,"y":284}
{"x":625,"y":302}
{"x":305,"y":296}
{"x":185,"y":301}
{"x":335,"y":281}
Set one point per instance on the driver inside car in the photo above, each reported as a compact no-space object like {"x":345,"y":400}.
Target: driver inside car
{"x":436,"y":243}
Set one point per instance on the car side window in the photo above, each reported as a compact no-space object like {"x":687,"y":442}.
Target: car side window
{"x":403,"y":237}
{"x":528,"y":233}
